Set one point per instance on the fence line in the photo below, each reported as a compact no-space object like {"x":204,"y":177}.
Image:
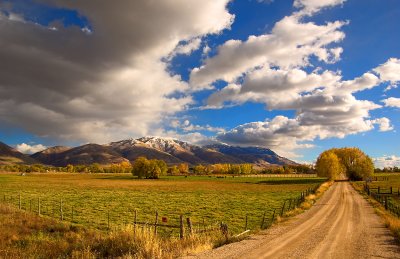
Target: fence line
{"x":385,"y":197}
{"x":59,"y":210}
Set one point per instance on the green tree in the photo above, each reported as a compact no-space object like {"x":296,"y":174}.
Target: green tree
{"x":151,"y":169}
{"x":140,"y":167}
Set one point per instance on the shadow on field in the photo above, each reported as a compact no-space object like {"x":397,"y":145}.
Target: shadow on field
{"x":291,"y":181}
{"x":116,"y":177}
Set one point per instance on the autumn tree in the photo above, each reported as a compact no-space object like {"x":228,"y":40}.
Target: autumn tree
{"x":173,"y":170}
{"x":352,"y":162}
{"x":357,"y":164}
{"x":200,"y":169}
{"x":183,"y":168}
{"x":328,"y":165}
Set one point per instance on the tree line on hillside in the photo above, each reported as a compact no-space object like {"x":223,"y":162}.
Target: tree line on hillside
{"x":342,"y":163}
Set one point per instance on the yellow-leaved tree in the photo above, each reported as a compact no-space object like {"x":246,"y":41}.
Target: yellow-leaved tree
{"x":339,"y":163}
{"x":328,"y":165}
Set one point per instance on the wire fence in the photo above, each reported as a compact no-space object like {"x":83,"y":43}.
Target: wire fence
{"x":386,"y":196}
{"x":174,"y":225}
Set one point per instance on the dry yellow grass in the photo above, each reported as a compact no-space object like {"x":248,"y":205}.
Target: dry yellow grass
{"x":25,"y":235}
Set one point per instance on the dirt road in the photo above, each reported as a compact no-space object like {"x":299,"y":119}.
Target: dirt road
{"x":340,"y":225}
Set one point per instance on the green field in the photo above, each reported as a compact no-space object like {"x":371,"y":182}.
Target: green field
{"x":97,"y":199}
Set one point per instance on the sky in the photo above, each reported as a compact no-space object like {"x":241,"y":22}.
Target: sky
{"x":295,"y":76}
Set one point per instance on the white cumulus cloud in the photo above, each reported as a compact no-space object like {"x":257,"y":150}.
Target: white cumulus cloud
{"x":290,"y":44}
{"x":392,"y":102}
{"x":272,"y":69}
{"x":389,"y":71}
{"x":387,"y":161}
{"x":29,"y":149}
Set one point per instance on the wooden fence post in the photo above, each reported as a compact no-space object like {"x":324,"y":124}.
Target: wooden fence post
{"x":19,"y":201}
{"x":386,"y":203}
{"x":108,"y":219}
{"x":30,"y":205}
{"x":182,"y":230}
{"x":391,"y":190}
{"x":273,"y":217}
{"x":190,"y":226}
{"x":39,"y":206}
{"x":134,"y":222}
{"x":61,"y":210}
{"x":262,"y":221}
{"x":224,"y":230}
{"x":155,"y":224}
{"x":245,"y":227}
{"x":283,"y":208}
{"x":72,"y":213}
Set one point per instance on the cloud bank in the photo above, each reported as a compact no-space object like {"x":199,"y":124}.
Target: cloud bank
{"x":275,"y":69}
{"x":387,"y":161}
{"x":103,"y":81}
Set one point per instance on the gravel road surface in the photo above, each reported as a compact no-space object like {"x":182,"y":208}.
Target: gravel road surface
{"x":340,"y":225}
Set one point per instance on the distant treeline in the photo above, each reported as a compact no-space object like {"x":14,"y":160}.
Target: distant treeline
{"x":153,"y":168}
{"x":394,"y":169}
{"x":124,"y":167}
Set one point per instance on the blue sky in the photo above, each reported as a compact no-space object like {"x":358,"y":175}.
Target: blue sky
{"x":297,"y":76}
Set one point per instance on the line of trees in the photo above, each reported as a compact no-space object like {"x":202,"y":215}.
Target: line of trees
{"x":289,"y":169}
{"x":153,"y":168}
{"x":124,"y":167}
{"x":224,"y":169}
{"x":341,"y":163}
{"x":393,"y":169}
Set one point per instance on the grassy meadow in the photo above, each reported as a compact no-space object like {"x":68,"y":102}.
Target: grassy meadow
{"x":97,"y":200}
{"x":384,"y":182}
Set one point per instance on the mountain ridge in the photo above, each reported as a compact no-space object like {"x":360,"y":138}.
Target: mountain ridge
{"x":172,"y":151}
{"x":9,"y":155}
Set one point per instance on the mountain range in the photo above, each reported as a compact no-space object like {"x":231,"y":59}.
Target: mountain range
{"x":172,"y":151}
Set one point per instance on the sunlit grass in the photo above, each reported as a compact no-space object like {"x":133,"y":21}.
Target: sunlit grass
{"x":385,"y":181}
{"x":97,"y":199}
{"x":26,"y":235}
